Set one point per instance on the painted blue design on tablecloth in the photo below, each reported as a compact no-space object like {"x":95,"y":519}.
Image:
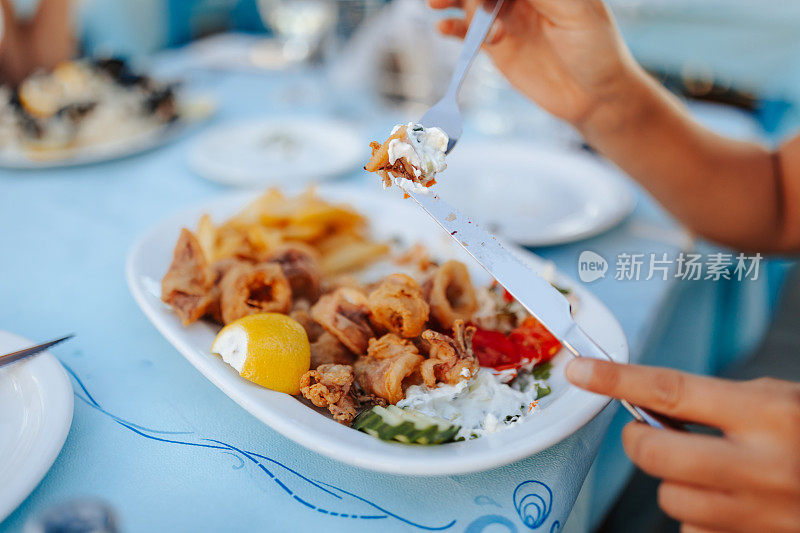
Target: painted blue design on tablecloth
{"x":486,"y":500}
{"x":261,"y":462}
{"x":533,"y":501}
{"x":481,"y":523}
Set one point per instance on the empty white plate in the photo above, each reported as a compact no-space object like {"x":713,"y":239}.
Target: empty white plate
{"x":535,"y":195}
{"x":563,"y":412}
{"x":278,"y":151}
{"x":35,"y":416}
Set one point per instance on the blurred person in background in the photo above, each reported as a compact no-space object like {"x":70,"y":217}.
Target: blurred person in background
{"x":40,"y":41}
{"x":39,"y":34}
{"x":568,"y":57}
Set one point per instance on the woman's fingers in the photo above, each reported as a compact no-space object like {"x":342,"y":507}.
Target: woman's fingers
{"x":701,"y":507}
{"x":445,"y":4}
{"x":690,"y":528}
{"x":691,"y":459}
{"x":457,"y":27}
{"x":709,"y":401}
{"x":453,"y":27}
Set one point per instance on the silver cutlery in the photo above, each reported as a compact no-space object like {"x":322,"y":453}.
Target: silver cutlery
{"x":445,"y":114}
{"x":19,"y":355}
{"x":536,"y":294}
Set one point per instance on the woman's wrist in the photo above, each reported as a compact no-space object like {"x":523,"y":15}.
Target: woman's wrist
{"x":628,"y":99}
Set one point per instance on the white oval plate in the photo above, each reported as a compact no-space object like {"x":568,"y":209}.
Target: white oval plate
{"x":194,"y":109}
{"x":565,"y":411}
{"x":536,"y":195}
{"x":35,"y":415}
{"x":277,"y":151}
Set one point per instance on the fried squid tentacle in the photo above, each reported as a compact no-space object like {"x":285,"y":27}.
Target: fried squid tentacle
{"x":344,"y":314}
{"x":331,"y":386}
{"x":249,"y":289}
{"x":450,"y":293}
{"x":188,"y":284}
{"x":390,"y":366}
{"x":397,"y":305}
{"x":450,"y":359}
{"x":300,"y":265}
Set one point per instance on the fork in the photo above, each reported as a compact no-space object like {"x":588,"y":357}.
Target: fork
{"x":518,"y":279}
{"x":446,"y":114}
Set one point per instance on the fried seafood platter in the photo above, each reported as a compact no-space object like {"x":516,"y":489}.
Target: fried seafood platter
{"x":348,"y":322}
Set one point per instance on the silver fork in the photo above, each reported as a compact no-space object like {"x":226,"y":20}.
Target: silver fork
{"x":536,"y":294}
{"x":446,"y":114}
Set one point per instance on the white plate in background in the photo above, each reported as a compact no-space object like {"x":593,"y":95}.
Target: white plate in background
{"x":535,"y":195}
{"x":35,"y":416}
{"x":193,"y":108}
{"x":278,"y":151}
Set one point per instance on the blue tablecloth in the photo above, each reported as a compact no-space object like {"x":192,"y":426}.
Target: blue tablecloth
{"x":167,"y":450}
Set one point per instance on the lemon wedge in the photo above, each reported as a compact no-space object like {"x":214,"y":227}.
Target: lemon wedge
{"x":269,"y":349}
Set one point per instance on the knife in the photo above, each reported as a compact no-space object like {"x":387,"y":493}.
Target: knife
{"x":536,"y":294}
{"x":13,"y":357}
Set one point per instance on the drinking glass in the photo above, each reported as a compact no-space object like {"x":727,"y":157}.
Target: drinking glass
{"x":302,"y":26}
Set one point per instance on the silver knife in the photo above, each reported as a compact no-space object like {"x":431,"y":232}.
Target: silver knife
{"x":13,"y":357}
{"x":536,"y":294}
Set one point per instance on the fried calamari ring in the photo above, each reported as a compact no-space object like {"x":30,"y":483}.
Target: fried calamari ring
{"x":450,"y":293}
{"x":397,"y":305}
{"x":249,"y":289}
{"x":300,"y":265}
{"x":390,"y":367}
{"x":344,"y":313}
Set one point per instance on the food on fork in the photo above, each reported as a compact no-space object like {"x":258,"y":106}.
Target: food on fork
{"x":313,"y":307}
{"x":411,"y":157}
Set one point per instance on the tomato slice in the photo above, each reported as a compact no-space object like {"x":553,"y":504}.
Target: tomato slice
{"x":494,"y":349}
{"x":533,"y":342}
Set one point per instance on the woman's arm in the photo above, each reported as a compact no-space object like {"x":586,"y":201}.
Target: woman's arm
{"x":733,"y":192}
{"x":567,"y":56}
{"x":42,"y":42}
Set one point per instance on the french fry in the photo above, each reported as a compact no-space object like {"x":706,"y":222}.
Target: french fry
{"x":207,"y":237}
{"x":352,"y":257}
{"x":336,"y":232}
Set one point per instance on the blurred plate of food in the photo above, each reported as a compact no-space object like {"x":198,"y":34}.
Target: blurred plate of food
{"x":536,"y":195}
{"x":35,"y":416}
{"x":368,"y":317}
{"x":277,"y":151}
{"x":89,"y":111}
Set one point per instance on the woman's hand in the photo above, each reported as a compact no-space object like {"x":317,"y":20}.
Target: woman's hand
{"x":566,"y":55}
{"x":746,"y":480}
